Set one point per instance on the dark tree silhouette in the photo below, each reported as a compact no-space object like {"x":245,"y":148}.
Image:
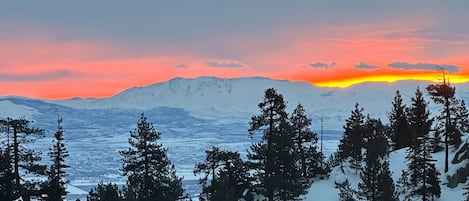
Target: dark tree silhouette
{"x":229,"y":176}
{"x":150,"y":174}
{"x":56,"y":182}
{"x":352,"y":142}
{"x":306,"y":142}
{"x":423,"y":178}
{"x":22,"y":158}
{"x":274,"y":159}
{"x":442,"y":94}
{"x":398,"y":123}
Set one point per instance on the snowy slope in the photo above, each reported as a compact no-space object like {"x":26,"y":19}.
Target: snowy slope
{"x":325,"y":189}
{"x":192,"y":115}
{"x":216,"y":98}
{"x":9,"y":109}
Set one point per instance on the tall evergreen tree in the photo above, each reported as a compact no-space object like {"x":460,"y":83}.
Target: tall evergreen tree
{"x":229,"y":176}
{"x":8,"y":190}
{"x":376,"y":183}
{"x":423,"y":177}
{"x":351,"y":144}
{"x":56,"y":189}
{"x":305,"y":141}
{"x":150,"y":174}
{"x":419,"y":117}
{"x":23,"y":159}
{"x":455,"y":128}
{"x":442,"y":94}
{"x":459,"y":122}
{"x":386,"y":188}
{"x":462,"y":117}
{"x":435,"y":141}
{"x":274,"y":159}
{"x":398,"y":123}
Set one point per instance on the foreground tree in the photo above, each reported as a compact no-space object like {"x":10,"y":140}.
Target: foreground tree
{"x":56,"y":189}
{"x":458,"y":125}
{"x":463,"y":117}
{"x":376,"y":181}
{"x":398,"y":124}
{"x":150,"y":174}
{"x":229,"y":176}
{"x":442,"y":94}
{"x":351,"y":144}
{"x":274,"y":159}
{"x":23,"y":159}
{"x":422,"y":176}
{"x":306,"y":143}
{"x":8,"y":189}
{"x":419,"y":118}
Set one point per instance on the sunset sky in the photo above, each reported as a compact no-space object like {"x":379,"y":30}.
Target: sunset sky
{"x":63,"y":49}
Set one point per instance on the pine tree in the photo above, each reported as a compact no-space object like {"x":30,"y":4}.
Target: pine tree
{"x":376,"y":183}
{"x":442,"y":94}
{"x":455,"y":129}
{"x":230,"y":178}
{"x":386,"y":188}
{"x":459,"y":122}
{"x":305,"y":141}
{"x":150,"y":174}
{"x":419,"y":117}
{"x":463,"y":116}
{"x":8,"y":190}
{"x":56,"y":182}
{"x":352,"y":142}
{"x":398,"y":123}
{"x":274,"y":159}
{"x":368,"y":187}
{"x":423,"y":177}
{"x":105,"y":192}
{"x":346,"y":193}
{"x":435,"y":141}
{"x":23,"y":159}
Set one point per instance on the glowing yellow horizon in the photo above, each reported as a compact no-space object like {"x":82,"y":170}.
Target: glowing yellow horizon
{"x":453,"y":78}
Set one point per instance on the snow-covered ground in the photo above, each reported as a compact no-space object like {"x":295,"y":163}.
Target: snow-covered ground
{"x":325,"y":189}
{"x":192,"y":115}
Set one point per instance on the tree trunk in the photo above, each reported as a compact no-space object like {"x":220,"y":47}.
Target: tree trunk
{"x":16,"y":156}
{"x":447,"y":133}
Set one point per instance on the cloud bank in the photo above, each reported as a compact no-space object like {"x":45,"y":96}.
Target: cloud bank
{"x":363,"y":65}
{"x":321,"y":65}
{"x":225,"y":63}
{"x":423,"y":66}
{"x":35,"y":77}
{"x":181,"y":66}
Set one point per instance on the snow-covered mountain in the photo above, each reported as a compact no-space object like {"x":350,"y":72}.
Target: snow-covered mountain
{"x":211,"y":97}
{"x":192,"y":115}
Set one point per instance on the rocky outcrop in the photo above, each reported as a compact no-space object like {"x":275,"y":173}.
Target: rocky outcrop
{"x":461,"y":175}
{"x":462,"y":154}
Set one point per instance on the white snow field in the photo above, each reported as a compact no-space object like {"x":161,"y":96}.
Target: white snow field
{"x":325,"y":189}
{"x":194,"y":114}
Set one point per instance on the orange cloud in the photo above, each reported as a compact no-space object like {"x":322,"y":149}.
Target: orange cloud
{"x":47,"y":68}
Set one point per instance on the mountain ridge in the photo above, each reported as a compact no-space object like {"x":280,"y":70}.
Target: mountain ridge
{"x":237,"y":98}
